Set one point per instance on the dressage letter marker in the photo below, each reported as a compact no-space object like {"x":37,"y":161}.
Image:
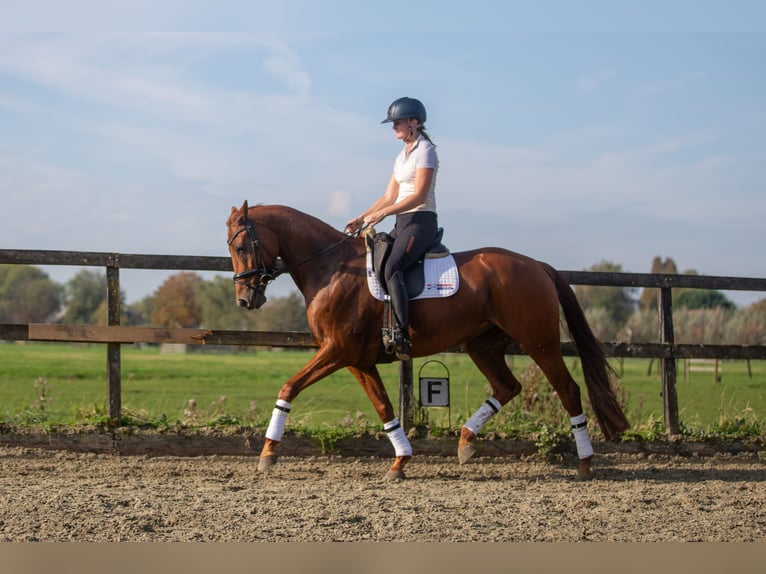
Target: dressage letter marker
{"x":434,"y":392}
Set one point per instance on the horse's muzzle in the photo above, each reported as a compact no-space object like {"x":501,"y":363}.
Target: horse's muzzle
{"x":254,"y":298}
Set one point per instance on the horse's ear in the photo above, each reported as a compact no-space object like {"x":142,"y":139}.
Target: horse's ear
{"x":241,"y":212}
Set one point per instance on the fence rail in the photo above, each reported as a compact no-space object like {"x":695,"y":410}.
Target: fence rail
{"x":113,"y":335}
{"x":300,"y":339}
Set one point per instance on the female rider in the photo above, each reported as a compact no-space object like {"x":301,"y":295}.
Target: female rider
{"x":410,"y":196}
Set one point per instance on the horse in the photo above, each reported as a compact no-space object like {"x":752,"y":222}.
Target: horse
{"x":503,"y":297}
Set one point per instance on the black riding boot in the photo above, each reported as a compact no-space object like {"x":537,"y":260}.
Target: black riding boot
{"x":400,"y":303}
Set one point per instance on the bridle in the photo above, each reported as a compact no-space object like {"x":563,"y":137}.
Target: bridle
{"x":266,"y":275}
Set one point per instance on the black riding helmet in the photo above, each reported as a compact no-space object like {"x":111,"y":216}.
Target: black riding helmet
{"x":405,"y":108}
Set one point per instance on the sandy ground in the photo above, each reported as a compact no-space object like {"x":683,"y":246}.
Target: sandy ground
{"x":58,"y":495}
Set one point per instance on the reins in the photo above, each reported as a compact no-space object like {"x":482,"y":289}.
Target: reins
{"x":279,"y":266}
{"x":318,"y":254}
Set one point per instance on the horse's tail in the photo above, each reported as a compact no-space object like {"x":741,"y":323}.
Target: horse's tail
{"x":595,"y":367}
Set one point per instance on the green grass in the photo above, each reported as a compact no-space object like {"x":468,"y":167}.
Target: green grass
{"x":59,"y":384}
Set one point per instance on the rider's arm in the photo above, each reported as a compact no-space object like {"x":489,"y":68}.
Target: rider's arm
{"x":423,"y":178}
{"x":386,"y":200}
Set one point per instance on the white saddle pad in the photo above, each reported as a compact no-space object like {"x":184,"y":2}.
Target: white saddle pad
{"x":441,"y":278}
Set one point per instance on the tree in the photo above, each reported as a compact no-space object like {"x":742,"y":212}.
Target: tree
{"x":85,"y":296}
{"x":28,"y":295}
{"x":601,"y":323}
{"x":692,"y":298}
{"x":616,"y":302}
{"x":219,"y":310}
{"x":748,"y":325}
{"x":175,"y":302}
{"x":138,"y":313}
{"x":648,"y":299}
{"x":701,"y":326}
{"x":642,"y":327}
{"x":702,"y":299}
{"x":187,"y":300}
{"x":286,"y":314}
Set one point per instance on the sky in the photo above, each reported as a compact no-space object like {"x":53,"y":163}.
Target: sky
{"x":575,"y":133}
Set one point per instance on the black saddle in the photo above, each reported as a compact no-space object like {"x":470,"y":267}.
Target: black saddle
{"x":414,"y":276}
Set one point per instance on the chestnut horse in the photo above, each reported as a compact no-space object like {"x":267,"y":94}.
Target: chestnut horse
{"x":502,"y":297}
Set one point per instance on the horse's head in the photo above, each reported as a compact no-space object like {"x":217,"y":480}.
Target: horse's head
{"x":254,"y":257}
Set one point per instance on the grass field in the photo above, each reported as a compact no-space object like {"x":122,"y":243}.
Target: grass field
{"x":54,"y":384}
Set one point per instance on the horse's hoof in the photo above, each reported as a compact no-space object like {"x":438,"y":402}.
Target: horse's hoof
{"x":584,"y":473}
{"x":266,"y":462}
{"x":394,"y":475}
{"x":465,"y":452}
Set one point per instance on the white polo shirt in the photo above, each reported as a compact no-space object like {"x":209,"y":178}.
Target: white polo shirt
{"x":422,"y":154}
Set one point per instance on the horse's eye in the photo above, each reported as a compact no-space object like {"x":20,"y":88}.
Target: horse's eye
{"x":240,"y":250}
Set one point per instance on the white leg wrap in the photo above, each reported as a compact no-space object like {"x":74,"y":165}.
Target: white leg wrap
{"x":486,"y":411}
{"x":278,"y":419}
{"x":402,"y":446}
{"x":582,"y":440}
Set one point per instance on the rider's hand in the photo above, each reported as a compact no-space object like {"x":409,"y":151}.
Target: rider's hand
{"x":353,"y":225}
{"x":374,"y":218}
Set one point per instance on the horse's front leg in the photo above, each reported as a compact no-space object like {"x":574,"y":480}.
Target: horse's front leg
{"x":373,"y":385}
{"x":321,"y":365}
{"x":269,"y":455}
{"x":274,"y":434}
{"x":396,"y":472}
{"x":402,"y":448}
{"x":466,"y":445}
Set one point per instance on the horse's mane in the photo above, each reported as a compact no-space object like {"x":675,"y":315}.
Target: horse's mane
{"x":295,"y":216}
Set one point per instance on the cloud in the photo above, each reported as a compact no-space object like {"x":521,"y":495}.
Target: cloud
{"x":286,"y":65}
{"x":582,"y":174}
{"x":159,"y":75}
{"x":22,"y":179}
{"x":187,"y":158}
{"x":589,"y":83}
{"x":651,"y":92}
{"x":340,"y":204}
{"x":146,"y":140}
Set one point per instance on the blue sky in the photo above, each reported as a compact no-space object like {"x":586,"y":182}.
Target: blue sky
{"x":573,"y":132}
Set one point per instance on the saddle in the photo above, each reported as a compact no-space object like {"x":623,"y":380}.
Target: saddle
{"x":379,"y":248}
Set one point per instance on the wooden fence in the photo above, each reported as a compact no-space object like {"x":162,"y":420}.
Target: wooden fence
{"x":113,"y":335}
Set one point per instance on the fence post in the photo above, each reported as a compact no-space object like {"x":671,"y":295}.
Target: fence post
{"x":406,"y":400}
{"x":669,"y":391}
{"x":113,"y":366}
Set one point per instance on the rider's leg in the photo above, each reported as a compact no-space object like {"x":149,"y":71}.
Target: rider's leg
{"x":400,"y":304}
{"x":412,"y":234}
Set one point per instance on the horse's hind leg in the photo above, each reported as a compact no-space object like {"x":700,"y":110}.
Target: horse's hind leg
{"x":488,"y":353}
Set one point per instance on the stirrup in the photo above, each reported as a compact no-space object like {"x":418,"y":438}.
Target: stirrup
{"x":394,"y":342}
{"x":401,"y":344}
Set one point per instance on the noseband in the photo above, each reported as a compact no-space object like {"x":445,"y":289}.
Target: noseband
{"x":266,"y":275}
